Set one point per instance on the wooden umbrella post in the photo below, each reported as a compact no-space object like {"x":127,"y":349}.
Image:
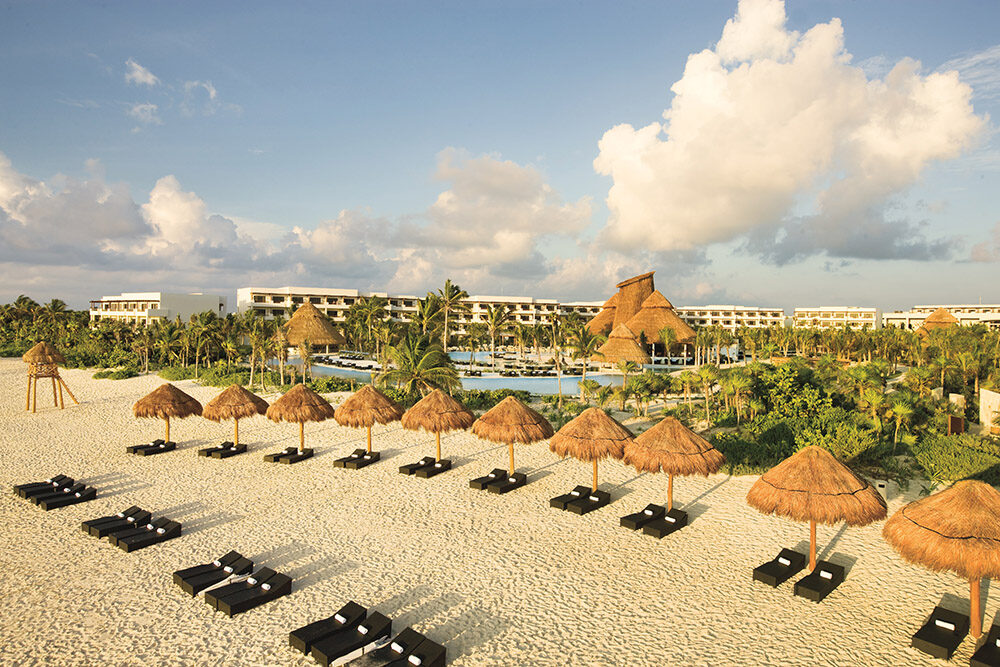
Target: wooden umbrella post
{"x":511,"y":446}
{"x":167,"y":419}
{"x":302,"y":437}
{"x":812,"y":545}
{"x":670,"y":492}
{"x":595,"y":474}
{"x":437,"y":436}
{"x":369,"y":438}
{"x":975,"y":615}
{"x":236,"y":432}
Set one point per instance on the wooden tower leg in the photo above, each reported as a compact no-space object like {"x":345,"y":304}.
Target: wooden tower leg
{"x":61,"y":404}
{"x":55,"y":397}
{"x":34,"y":397}
{"x":27,"y":405}
{"x":66,"y":386}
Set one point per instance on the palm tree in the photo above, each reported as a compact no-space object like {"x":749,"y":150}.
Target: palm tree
{"x":427,"y":314}
{"x":475,"y":334}
{"x":688,"y":380}
{"x":372,"y":310}
{"x":587,"y":389}
{"x":584,"y":345}
{"x":740,"y":385}
{"x":497,"y":318}
{"x":708,"y":374}
{"x":669,"y":338}
{"x":626,"y":367}
{"x":418,"y":366}
{"x":901,"y":412}
{"x":451,"y":300}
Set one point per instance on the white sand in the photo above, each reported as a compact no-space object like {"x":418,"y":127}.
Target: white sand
{"x":500,"y":580}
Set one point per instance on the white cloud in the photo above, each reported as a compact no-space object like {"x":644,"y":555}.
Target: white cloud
{"x":146,"y":113}
{"x":199,"y":97}
{"x":139,"y":75}
{"x":776,"y":138}
{"x":980,"y":70}
{"x":987,"y":251}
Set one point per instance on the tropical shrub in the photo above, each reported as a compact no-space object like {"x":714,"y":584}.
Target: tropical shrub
{"x":956,"y":457}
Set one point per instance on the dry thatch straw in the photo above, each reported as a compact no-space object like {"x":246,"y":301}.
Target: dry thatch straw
{"x":165,"y":402}
{"x":622,"y":346}
{"x":957,"y":530}
{"x":591,"y":436}
{"x":308,"y":324}
{"x":605,"y":319}
{"x":43,"y":353}
{"x":234,"y":403}
{"x":631,"y":294}
{"x":367,"y":407}
{"x":511,"y":421}
{"x":675,"y":449}
{"x":300,"y":404}
{"x":657,"y":313}
{"x":438,"y":412}
{"x":811,"y":485}
{"x":939,"y":319}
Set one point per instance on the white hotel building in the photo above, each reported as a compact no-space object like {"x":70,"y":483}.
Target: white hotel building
{"x":836,"y":317}
{"x":732,"y":317}
{"x":966,"y":314}
{"x":146,"y":307}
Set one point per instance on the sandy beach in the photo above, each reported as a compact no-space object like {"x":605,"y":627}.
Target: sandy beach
{"x":500,"y":580}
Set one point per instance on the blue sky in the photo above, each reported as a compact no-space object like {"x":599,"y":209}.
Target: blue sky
{"x":390,"y":145}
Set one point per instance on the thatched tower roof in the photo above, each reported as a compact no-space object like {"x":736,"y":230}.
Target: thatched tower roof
{"x":308,"y":323}
{"x":366,"y":407}
{"x":675,"y":449}
{"x":43,"y":353}
{"x":655,"y":314}
{"x":235,"y":402}
{"x":604,"y":320}
{"x":165,"y":402}
{"x":511,"y":421}
{"x":437,"y":412}
{"x":591,"y":436}
{"x":811,"y":485}
{"x":622,"y":346}
{"x":957,"y":529}
{"x":939,"y":319}
{"x":631,"y":294}
{"x":300,"y":404}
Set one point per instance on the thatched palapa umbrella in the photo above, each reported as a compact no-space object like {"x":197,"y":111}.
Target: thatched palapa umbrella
{"x":511,"y":421}
{"x":367,"y":407}
{"x":673,"y":448}
{"x":165,"y":402}
{"x":811,"y":485}
{"x":957,"y":529}
{"x":591,"y":436}
{"x":234,"y":403}
{"x":438,"y":413}
{"x":43,"y":362}
{"x":300,"y":404}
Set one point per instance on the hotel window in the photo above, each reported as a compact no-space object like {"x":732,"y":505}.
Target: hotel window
{"x":258,"y":299}
{"x":277,"y":299}
{"x":314,"y":299}
{"x":296,"y":299}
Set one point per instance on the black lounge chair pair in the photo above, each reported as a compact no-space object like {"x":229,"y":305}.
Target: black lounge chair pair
{"x":200,"y":579}
{"x":359,"y":459}
{"x":133,"y":529}
{"x":259,"y":588}
{"x":33,"y":488}
{"x":158,"y":446}
{"x":814,"y":586}
{"x":411,"y":649}
{"x":348,"y":634}
{"x":581,"y":500}
{"x":59,"y":491}
{"x":426,"y":467}
{"x":499,"y":481}
{"x":655,"y":520}
{"x":124,"y":520}
{"x":289,"y":455}
{"x":223,"y":451}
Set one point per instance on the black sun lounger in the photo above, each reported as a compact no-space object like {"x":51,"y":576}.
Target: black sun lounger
{"x":25,"y":490}
{"x":480,"y":483}
{"x":670,"y":522}
{"x":589,"y":502}
{"x":124,"y":520}
{"x":196,"y":580}
{"x":151,"y":450}
{"x":942,"y":633}
{"x":567,"y":498}
{"x":435,"y":468}
{"x":411,"y":468}
{"x":988,"y":653}
{"x":78,"y":493}
{"x":347,"y":645}
{"x":359,"y":459}
{"x":343,"y":461}
{"x":425,"y":654}
{"x":641,"y":518}
{"x":134,"y":449}
{"x":289,"y":455}
{"x":345,"y":619}
{"x":508,"y":483}
{"x":160,"y":530}
{"x":28,"y":494}
{"x":784,"y":566}
{"x":223,"y":451}
{"x":820,"y":582}
{"x":261,"y":587}
{"x":399,"y":649}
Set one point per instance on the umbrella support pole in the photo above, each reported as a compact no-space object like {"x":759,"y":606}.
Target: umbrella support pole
{"x":670,"y":492}
{"x":369,"y":439}
{"x":302,"y":437}
{"x":167,"y":419}
{"x":595,"y":474}
{"x":975,"y":615}
{"x":236,"y":432}
{"x":511,"y":446}
{"x":812,"y":545}
{"x":437,"y":438}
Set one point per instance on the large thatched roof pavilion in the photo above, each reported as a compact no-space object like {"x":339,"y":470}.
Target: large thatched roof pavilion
{"x":656,"y":314}
{"x":955,"y":530}
{"x":939,"y":319}
{"x":622,"y":346}
{"x":308,"y":324}
{"x":631,"y":294}
{"x":603,"y":322}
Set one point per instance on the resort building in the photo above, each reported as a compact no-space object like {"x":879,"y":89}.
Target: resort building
{"x":836,"y":317}
{"x":732,"y":317}
{"x":965,"y":314}
{"x":146,"y":307}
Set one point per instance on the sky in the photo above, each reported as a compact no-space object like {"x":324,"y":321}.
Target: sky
{"x":751,"y":152}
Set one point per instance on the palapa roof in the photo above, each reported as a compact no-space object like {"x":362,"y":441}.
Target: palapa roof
{"x":166,"y":401}
{"x":591,"y":436}
{"x":43,"y":353}
{"x":308,"y":323}
{"x":957,"y":529}
{"x":511,"y":421}
{"x":605,"y":319}
{"x":438,"y":412}
{"x":300,"y":404}
{"x":235,"y":402}
{"x":631,"y":294}
{"x":939,"y":319}
{"x":811,"y":485}
{"x":675,"y":449}
{"x":655,"y":314}
{"x":622,"y":346}
{"x":366,"y":407}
